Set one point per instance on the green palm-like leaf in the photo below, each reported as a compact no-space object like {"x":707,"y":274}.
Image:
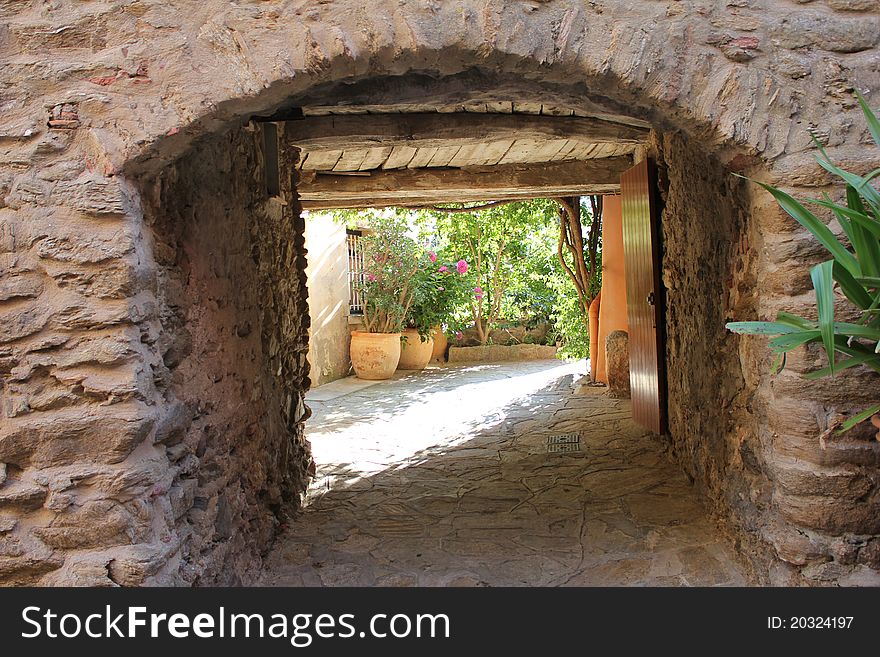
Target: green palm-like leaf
{"x":792,"y":340}
{"x":859,"y":417}
{"x":870,"y":118}
{"x":855,"y":270}
{"x":823,"y":283}
{"x":762,"y":328}
{"x":812,"y":223}
{"x":850,"y":286}
{"x":864,"y":239}
{"x":862,"y":359}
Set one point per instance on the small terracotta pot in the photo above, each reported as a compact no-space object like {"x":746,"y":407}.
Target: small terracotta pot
{"x":440,"y":344}
{"x":415,"y":354}
{"x":374,"y":356}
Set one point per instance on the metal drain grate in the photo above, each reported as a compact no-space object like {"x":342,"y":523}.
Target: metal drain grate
{"x":566,"y":442}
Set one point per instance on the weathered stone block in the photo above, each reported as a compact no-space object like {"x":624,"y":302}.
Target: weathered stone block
{"x":23,"y":320}
{"x":21,"y":496}
{"x":617,"y":364}
{"x":800,"y":478}
{"x":68,"y":435}
{"x":96,"y":524}
{"x":834,"y":33}
{"x":829,"y":514}
{"x":92,"y":194}
{"x":854,"y":5}
{"x":20,"y":285}
{"x":793,"y":545}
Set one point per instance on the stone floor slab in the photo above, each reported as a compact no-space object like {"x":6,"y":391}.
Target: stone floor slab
{"x":443,"y":478}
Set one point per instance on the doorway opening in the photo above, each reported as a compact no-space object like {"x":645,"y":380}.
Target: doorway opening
{"x":230,"y":234}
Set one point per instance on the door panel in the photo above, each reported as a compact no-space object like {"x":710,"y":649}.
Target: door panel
{"x":644,"y":296}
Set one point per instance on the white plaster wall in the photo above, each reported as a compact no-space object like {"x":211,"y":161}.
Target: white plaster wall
{"x":327,"y":275}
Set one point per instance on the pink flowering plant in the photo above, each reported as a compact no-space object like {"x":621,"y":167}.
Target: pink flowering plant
{"x":440,"y":290}
{"x":396,"y":271}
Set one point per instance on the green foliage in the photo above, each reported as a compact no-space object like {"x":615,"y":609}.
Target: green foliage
{"x":568,"y":320}
{"x":855,"y":268}
{"x":513,"y":275}
{"x":440,"y":290}
{"x":396,"y":270}
{"x":497,"y":243}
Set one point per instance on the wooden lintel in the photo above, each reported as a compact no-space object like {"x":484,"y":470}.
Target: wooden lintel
{"x":430,"y":130}
{"x":409,"y":187}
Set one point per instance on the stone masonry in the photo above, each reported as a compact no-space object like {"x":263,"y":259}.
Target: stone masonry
{"x":152,"y":302}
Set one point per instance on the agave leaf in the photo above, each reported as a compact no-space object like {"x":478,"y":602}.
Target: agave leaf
{"x":870,"y":119}
{"x":866,"y":245}
{"x":861,"y":359}
{"x":792,"y":340}
{"x":855,"y":349}
{"x":761,"y":328}
{"x":812,"y":223}
{"x":823,"y":284}
{"x":857,"y":330}
{"x":860,"y":218}
{"x":862,"y":186}
{"x":858,"y":418}
{"x":784,"y":317}
{"x":778,"y":363}
{"x":851,"y":287}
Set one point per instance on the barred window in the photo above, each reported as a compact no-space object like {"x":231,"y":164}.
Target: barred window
{"x":355,"y":271}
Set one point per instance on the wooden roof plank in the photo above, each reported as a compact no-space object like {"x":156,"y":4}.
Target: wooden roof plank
{"x":443,"y":155}
{"x":400,"y":157}
{"x":409,"y":187}
{"x":428,"y":130}
{"x":421,"y":158}
{"x":320,"y":160}
{"x":351,"y":160}
{"x":374,"y":158}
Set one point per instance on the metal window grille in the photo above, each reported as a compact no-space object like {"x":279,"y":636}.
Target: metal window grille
{"x":355,"y":271}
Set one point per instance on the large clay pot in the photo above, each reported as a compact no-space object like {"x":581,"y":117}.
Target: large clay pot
{"x":414,"y":354}
{"x":374,"y":356}
{"x":440,"y":344}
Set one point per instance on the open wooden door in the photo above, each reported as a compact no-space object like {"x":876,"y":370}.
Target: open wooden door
{"x":644,"y":296}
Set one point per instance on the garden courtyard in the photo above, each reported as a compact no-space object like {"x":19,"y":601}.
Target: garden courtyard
{"x":451,"y":476}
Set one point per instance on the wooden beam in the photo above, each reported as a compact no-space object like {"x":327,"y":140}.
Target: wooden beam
{"x":437,"y":130}
{"x":409,"y":187}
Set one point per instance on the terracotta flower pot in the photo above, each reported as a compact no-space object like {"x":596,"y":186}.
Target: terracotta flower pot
{"x":440,"y":344}
{"x":374,"y":356}
{"x":415,"y":354}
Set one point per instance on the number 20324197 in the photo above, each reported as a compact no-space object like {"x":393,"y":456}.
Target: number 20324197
{"x":810,"y":622}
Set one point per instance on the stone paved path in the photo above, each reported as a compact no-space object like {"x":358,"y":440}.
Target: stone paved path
{"x":443,"y":478}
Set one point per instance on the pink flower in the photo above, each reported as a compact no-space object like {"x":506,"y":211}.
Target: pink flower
{"x":461,"y":266}
{"x":459,"y":335}
{"x":371,"y":278}
{"x":432,"y":256}
{"x":443,"y":269}
{"x":478,"y":290}
{"x":440,"y":289}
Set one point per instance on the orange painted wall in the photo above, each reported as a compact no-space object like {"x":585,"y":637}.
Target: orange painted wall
{"x":612,"y":311}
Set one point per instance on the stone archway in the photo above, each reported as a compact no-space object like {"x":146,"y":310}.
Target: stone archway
{"x":109,"y":301}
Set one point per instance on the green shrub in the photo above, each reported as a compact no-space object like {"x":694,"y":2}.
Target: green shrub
{"x":853,"y":268}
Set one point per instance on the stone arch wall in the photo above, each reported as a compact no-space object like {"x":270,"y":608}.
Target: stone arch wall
{"x":106,"y":106}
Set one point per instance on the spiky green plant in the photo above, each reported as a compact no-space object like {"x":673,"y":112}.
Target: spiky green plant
{"x":855,"y":269}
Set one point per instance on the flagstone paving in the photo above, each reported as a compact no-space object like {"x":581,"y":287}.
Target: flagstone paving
{"x":444,"y":478}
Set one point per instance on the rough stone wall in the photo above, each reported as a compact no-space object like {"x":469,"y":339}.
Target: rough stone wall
{"x":749,"y":440}
{"x":96,"y":95}
{"x":708,"y":273}
{"x":232,"y":333}
{"x":152,"y":374}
